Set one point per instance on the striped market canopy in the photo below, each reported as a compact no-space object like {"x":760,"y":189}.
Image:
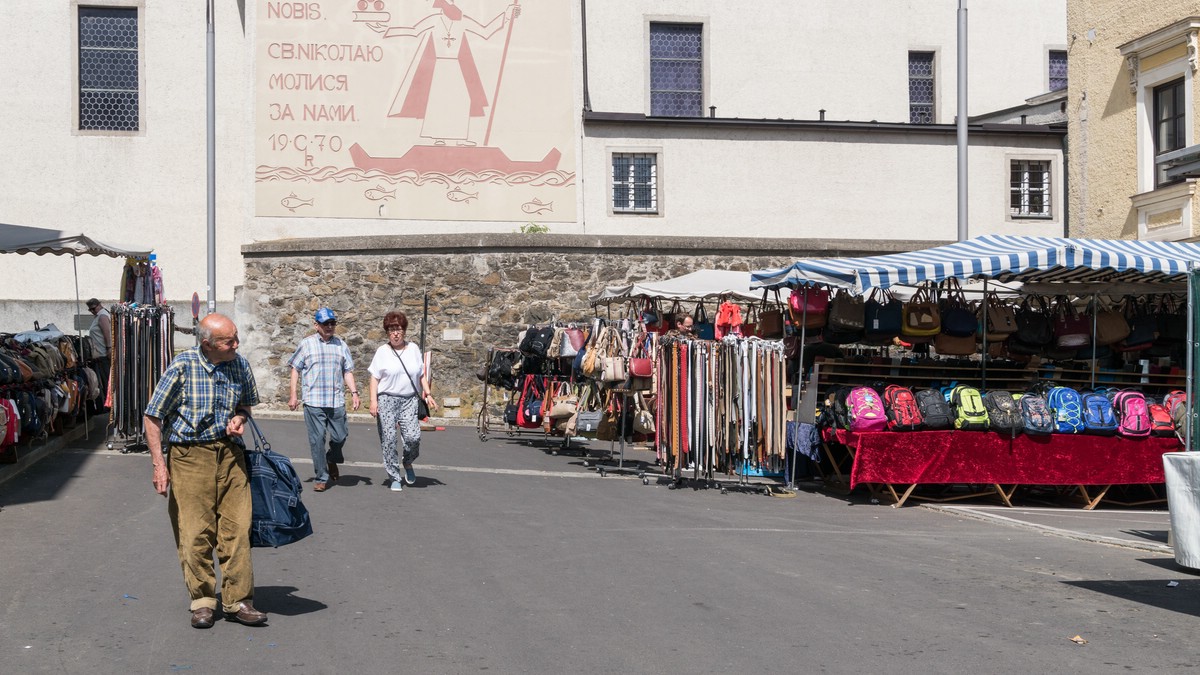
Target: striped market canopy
{"x":1002,"y":258}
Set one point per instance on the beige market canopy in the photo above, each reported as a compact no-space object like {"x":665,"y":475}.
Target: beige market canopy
{"x":692,"y":287}
{"x":21,"y":239}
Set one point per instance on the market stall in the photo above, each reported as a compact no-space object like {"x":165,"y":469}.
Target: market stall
{"x":49,"y":377}
{"x":1113,"y":339}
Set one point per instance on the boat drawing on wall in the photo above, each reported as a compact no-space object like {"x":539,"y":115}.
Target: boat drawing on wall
{"x":450,"y":160}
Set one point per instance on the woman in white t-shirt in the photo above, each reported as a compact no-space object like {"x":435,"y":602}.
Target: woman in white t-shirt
{"x":397,"y":379}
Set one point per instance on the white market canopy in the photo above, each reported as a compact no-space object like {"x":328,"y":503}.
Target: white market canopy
{"x":21,"y":239}
{"x":1030,"y":260}
{"x":698,"y":285}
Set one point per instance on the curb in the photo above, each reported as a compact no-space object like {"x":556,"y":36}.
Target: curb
{"x":966,"y":512}
{"x":94,"y":427}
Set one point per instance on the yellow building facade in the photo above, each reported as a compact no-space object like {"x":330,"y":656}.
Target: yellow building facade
{"x":1132,"y":98}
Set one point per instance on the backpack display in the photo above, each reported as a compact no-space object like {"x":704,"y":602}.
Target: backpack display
{"x":1036,"y":415}
{"x":866,"y":410}
{"x":1067,"y":406}
{"x":278,"y":516}
{"x":841,"y":413}
{"x":1133,"y":414}
{"x":537,"y":341}
{"x":1161,"y":423}
{"x":1174,"y":398}
{"x":935,"y":412}
{"x":903,"y":413}
{"x":504,"y":369}
{"x":1004,"y":415}
{"x":969,"y":411}
{"x":1098,"y":416}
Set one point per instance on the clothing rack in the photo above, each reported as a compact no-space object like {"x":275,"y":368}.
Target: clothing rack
{"x":143,"y":346}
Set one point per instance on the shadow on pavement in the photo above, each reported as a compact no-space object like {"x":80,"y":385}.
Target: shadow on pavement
{"x":1156,"y":593}
{"x":1157,"y":536}
{"x":281,"y":600}
{"x":1170,"y":565}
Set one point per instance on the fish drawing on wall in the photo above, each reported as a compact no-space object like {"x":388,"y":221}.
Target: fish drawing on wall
{"x":376,"y":193}
{"x":292,"y":202}
{"x":536,"y":206}
{"x":459,"y":195}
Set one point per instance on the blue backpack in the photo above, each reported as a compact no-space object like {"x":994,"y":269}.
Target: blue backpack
{"x":1098,"y":417}
{"x":279,"y":517}
{"x":1067,"y":406}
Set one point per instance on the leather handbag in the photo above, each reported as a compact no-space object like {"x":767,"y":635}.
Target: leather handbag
{"x":808,"y":306}
{"x":1143,"y":327}
{"x":958,"y":320}
{"x":1172,"y":320}
{"x":846,"y":312}
{"x":614,"y":369}
{"x":921,"y":316}
{"x":882,"y":314}
{"x":1033,"y":322}
{"x":1111,"y":326}
{"x":565,"y":402}
{"x":702,"y":326}
{"x":643,"y":419}
{"x":770,"y":320}
{"x":1001,"y":318}
{"x":954,"y":345}
{"x":640,"y":366}
{"x":1072,"y":330}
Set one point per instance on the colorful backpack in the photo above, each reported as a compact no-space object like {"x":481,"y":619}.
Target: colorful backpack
{"x":1174,"y":398}
{"x":970,"y":413}
{"x":935,"y":412}
{"x":1133,"y":413}
{"x":866,"y":410}
{"x":1036,"y":414}
{"x":902,"y":411}
{"x":1161,"y":423}
{"x":1098,"y":417}
{"x":841,"y":412}
{"x":1067,"y":406}
{"x":1004,"y":415}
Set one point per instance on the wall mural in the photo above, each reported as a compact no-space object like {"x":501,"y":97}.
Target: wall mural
{"x":415,"y":109}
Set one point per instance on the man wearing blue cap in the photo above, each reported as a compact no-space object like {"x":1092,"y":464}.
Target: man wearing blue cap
{"x":324,"y":361}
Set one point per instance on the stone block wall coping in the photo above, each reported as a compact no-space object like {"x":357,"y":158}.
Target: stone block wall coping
{"x":410,"y":244}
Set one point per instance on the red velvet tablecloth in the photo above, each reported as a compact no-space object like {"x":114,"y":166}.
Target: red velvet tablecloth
{"x":986,"y":457}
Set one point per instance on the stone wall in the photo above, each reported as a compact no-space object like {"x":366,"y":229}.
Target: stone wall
{"x":482,"y":291}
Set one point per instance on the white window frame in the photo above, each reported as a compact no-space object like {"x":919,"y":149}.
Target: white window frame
{"x":139,"y":5}
{"x":1051,"y":194}
{"x":657,"y":210}
{"x":705,"y":51}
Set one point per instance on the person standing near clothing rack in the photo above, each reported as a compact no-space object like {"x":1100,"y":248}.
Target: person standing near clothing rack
{"x":398,"y":378}
{"x":101,"y":336}
{"x":326,"y":365}
{"x":200,"y":407}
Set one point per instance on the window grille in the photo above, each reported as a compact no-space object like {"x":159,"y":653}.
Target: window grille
{"x":676,"y":70}
{"x":1058,"y":70}
{"x":920,"y":88}
{"x":1029,"y":192}
{"x":108,"y":68}
{"x":635,"y":182}
{"x":1170,"y":117}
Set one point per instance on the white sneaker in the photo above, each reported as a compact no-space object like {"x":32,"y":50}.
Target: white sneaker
{"x":397,"y":486}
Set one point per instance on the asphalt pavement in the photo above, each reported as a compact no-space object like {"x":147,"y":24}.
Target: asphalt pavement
{"x":515,"y":556}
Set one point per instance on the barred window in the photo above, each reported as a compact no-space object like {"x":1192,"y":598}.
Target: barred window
{"x":920,"y":88}
{"x":1029,"y":191}
{"x":108,"y":68}
{"x":1170,"y":118}
{"x":676,"y":70}
{"x":635,"y":182}
{"x":1058,"y":70}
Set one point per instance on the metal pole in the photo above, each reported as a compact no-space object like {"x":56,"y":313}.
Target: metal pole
{"x":1095,"y":313}
{"x":1191,"y":356}
{"x":211,"y":110}
{"x":79,"y":332}
{"x":962,"y":120}
{"x":983,"y":358}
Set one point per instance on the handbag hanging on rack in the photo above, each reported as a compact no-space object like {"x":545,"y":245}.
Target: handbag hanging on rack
{"x":921,"y":315}
{"x":701,"y":325}
{"x":770,"y":319}
{"x":809,"y":305}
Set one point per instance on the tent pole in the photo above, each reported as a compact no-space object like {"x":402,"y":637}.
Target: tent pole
{"x":1191,"y":355}
{"x":984,"y":356}
{"x":1095,"y":313}
{"x":796,"y":398}
{"x":79,"y":332}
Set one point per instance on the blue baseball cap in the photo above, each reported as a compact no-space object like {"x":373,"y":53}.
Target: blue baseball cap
{"x":324,"y":314}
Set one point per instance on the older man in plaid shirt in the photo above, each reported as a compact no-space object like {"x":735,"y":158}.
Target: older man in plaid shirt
{"x":326,"y":365}
{"x":204,"y":399}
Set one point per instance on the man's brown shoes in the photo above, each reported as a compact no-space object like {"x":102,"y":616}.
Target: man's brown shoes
{"x":202,"y":618}
{"x":247,"y":615}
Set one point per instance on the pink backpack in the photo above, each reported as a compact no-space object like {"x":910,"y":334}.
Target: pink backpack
{"x":866,"y":410}
{"x":1134,"y":414}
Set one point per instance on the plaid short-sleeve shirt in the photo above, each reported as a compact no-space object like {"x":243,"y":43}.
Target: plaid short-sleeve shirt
{"x":195,"y":397}
{"x":323,"y":367}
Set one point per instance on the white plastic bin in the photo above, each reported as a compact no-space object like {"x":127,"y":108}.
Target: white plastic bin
{"x":1183,"y":500}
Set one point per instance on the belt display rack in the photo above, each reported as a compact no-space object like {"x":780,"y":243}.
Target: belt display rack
{"x":143,"y":346}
